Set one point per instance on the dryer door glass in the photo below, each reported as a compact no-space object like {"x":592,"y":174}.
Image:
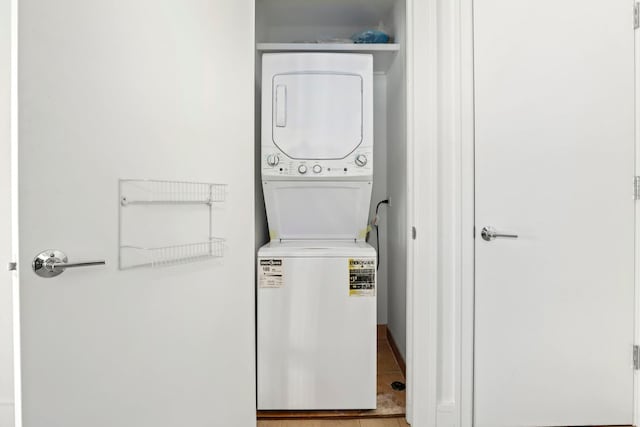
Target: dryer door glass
{"x":317,"y":115}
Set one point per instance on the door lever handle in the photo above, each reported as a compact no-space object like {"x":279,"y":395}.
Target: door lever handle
{"x":51,"y":263}
{"x":489,"y":234}
{"x":63,"y":265}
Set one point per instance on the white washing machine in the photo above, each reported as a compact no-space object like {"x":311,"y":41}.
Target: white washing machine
{"x":316,"y":326}
{"x":317,"y":277}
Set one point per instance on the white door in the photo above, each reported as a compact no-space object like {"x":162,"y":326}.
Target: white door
{"x":124,"y":90}
{"x":554,"y":89}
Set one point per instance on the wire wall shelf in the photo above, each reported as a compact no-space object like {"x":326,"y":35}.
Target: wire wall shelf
{"x":134,"y":223}
{"x":172,"y":255}
{"x":148,"y":192}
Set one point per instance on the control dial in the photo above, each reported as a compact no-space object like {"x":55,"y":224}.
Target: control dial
{"x":273,"y":159}
{"x":317,"y":168}
{"x":302,"y":169}
{"x":361,"y":160}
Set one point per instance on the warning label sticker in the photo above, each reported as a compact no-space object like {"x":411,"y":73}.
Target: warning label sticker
{"x":270,"y":273}
{"x":362,"y":277}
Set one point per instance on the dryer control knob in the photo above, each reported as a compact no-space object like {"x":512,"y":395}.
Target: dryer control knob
{"x":302,"y":169}
{"x":273,"y":159}
{"x":361,"y":160}
{"x":317,"y":168}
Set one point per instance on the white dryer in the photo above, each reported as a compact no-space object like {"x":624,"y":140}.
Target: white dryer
{"x":317,"y":116}
{"x":316,"y":278}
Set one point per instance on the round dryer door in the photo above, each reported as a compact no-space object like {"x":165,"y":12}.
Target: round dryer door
{"x":317,"y":115}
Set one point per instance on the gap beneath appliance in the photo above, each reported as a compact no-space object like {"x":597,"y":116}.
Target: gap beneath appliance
{"x":390,"y":402}
{"x":336,"y":422}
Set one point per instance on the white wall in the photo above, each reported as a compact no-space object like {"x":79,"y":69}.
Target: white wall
{"x":397,"y":186}
{"x":6,"y":362}
{"x":298,"y":21}
{"x":380,"y":190}
{"x":262,"y":230}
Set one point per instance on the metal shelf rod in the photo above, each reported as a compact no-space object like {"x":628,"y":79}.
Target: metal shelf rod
{"x":167,"y":202}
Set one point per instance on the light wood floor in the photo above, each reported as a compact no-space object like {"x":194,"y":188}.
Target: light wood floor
{"x":371,"y":422}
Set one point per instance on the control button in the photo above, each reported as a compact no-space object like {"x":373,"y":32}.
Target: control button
{"x":302,"y":169}
{"x":273,"y":159}
{"x":361,"y":160}
{"x":317,"y":168}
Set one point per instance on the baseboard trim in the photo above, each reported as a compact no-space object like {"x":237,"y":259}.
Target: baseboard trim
{"x":396,"y":352}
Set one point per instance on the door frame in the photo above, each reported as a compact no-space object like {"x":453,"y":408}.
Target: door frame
{"x":441,"y":286}
{"x":636,"y":373}
{"x":13,"y":165}
{"x":422,"y":31}
{"x":421,"y":296}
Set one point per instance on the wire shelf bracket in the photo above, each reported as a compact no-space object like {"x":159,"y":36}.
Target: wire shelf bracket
{"x":157,"y":192}
{"x":173,"y":255}
{"x":146,"y":192}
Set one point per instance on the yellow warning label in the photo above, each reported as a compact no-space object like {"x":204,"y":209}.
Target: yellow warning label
{"x":362,"y":277}
{"x":364,"y":231}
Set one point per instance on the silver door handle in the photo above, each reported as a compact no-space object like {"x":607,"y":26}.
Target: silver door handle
{"x":489,"y":234}
{"x":52,"y":262}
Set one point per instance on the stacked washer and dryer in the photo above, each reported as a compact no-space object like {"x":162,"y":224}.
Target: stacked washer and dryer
{"x":316,"y":293}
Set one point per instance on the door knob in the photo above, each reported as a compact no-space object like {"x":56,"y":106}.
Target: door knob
{"x":52,"y":262}
{"x":489,"y":234}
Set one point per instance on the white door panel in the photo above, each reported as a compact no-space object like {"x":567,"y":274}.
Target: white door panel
{"x":139,"y":89}
{"x":554,"y":165}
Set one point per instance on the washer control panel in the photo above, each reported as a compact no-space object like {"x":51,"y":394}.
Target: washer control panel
{"x":359,"y":163}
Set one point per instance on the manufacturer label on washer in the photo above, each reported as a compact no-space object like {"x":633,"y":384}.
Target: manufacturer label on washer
{"x":362,"y":277}
{"x":270,"y":273}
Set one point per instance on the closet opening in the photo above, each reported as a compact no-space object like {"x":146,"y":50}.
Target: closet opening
{"x":329,"y":182}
